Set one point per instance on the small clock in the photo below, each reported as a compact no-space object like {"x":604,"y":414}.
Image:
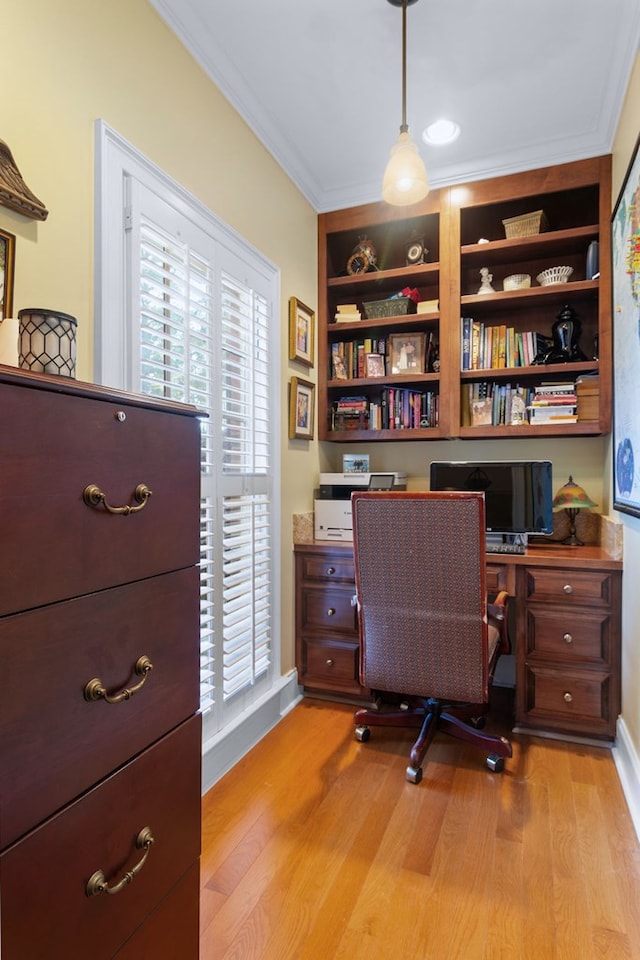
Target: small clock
{"x":363,"y":257}
{"x":415,"y":252}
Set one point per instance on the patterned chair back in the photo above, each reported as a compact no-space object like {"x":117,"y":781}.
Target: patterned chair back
{"x":420,"y":570}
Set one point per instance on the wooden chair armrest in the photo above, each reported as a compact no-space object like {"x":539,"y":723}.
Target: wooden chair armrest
{"x":497,"y":612}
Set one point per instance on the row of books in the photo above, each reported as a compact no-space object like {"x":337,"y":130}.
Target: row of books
{"x":395,"y":409}
{"x":495,"y":404}
{"x":486,"y":347}
{"x":349,"y":357}
{"x":360,"y":358}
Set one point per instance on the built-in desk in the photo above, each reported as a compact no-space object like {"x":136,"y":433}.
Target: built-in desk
{"x":567,"y":632}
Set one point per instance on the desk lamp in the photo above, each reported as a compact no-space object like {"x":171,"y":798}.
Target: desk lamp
{"x":572,"y":498}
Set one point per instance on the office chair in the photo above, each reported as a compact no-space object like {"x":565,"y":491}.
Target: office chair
{"x":429,"y":640}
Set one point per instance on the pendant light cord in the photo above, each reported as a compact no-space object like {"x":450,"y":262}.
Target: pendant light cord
{"x":404,"y":127}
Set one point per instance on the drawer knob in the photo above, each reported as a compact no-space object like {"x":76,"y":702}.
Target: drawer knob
{"x":95,"y":689}
{"x":331,"y":571}
{"x":98,"y":882}
{"x":331,"y":612}
{"x":121,"y":416}
{"x":568,"y":638}
{"x":329,"y":662}
{"x":567,"y":697}
{"x":568,"y":588}
{"x":94,"y":497}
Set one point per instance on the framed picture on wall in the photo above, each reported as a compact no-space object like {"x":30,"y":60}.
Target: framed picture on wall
{"x":625,"y":246}
{"x":301,"y":409}
{"x":301,"y":332}
{"x":7,"y":270}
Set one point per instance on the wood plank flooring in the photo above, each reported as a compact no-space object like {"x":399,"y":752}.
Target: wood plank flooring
{"x":316,"y":847}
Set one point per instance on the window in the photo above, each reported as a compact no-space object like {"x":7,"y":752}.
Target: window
{"x":197,"y":322}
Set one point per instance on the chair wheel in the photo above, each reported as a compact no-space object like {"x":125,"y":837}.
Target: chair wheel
{"x":495,"y":763}
{"x":414,"y":774}
{"x":478,"y":723}
{"x":362,"y":734}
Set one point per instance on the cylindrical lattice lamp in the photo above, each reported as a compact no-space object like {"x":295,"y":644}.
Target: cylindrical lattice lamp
{"x":571,"y":498}
{"x":47,"y":341}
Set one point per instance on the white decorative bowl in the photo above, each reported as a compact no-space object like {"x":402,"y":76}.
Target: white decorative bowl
{"x":517,"y":281}
{"x":554,"y":275}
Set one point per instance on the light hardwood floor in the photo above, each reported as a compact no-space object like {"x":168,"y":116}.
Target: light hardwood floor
{"x":315,"y":847}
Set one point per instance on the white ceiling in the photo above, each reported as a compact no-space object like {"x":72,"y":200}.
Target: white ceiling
{"x":319,"y":82}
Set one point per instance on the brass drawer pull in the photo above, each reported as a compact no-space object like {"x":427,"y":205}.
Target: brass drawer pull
{"x":98,"y":882}
{"x":95,"y":690}
{"x":330,"y":571}
{"x":329,"y":662}
{"x":94,"y":497}
{"x":568,"y":698}
{"x":568,"y":638}
{"x":568,"y":588}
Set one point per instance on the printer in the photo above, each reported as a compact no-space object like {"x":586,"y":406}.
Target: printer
{"x":332,"y":504}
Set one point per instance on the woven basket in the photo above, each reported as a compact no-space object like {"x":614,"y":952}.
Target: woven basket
{"x":517,"y":281}
{"x":554,"y":275}
{"x":396,"y":307}
{"x":526,"y":225}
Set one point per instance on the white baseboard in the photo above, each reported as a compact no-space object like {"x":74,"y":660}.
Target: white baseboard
{"x":224,"y":750}
{"x":628,"y":766}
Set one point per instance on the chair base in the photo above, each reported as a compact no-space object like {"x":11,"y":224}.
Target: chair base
{"x":462,"y":721}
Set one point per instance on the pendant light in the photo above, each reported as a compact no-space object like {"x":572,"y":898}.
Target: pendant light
{"x":405,"y":179}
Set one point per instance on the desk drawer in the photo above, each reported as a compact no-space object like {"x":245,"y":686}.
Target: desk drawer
{"x":570,"y":635}
{"x":55,"y":742}
{"x":327,"y":568}
{"x":60,"y":547}
{"x":568,"y":586}
{"x":571,"y":700}
{"x":330,"y":664}
{"x":329,"y":610}
{"x":45,"y":875}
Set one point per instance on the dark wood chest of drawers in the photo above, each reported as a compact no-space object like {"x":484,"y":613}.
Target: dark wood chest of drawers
{"x":100,"y":741}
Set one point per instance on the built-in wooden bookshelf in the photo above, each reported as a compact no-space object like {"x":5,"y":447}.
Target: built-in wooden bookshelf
{"x":462,"y":230}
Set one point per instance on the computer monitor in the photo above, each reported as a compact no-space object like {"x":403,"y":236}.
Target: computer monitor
{"x":518,"y":493}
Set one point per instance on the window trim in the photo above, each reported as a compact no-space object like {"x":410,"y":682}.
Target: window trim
{"x":117,"y":164}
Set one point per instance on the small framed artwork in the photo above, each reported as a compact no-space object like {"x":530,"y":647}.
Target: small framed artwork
{"x":301,"y":409}
{"x":406,"y":351}
{"x":355,"y":463}
{"x":7,"y":269}
{"x":374,"y":365}
{"x":301,"y":332}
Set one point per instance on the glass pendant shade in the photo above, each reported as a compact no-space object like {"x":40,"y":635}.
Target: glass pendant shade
{"x":405,"y":179}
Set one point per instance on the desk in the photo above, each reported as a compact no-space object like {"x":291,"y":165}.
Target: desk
{"x":566,"y":643}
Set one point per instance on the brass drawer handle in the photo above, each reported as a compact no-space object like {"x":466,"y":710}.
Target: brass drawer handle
{"x":95,"y":689}
{"x":567,"y":697}
{"x":568,"y":638}
{"x":568,"y":588}
{"x":331,"y":612}
{"x":98,"y":882}
{"x":329,"y":662}
{"x":94,"y":497}
{"x":330,"y":571}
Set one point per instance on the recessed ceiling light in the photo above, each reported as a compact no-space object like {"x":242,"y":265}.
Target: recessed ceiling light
{"x":441,"y":132}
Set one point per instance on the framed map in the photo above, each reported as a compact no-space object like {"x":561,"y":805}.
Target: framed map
{"x":625,"y":236}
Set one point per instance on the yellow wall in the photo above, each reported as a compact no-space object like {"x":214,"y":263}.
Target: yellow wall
{"x":68,"y":62}
{"x":625,"y":140}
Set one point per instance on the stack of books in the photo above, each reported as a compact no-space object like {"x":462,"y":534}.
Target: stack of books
{"x":347,"y":313}
{"x":554,"y":403}
{"x":351,"y":413}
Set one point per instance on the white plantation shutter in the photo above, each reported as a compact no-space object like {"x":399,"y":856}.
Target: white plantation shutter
{"x":202,"y":332}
